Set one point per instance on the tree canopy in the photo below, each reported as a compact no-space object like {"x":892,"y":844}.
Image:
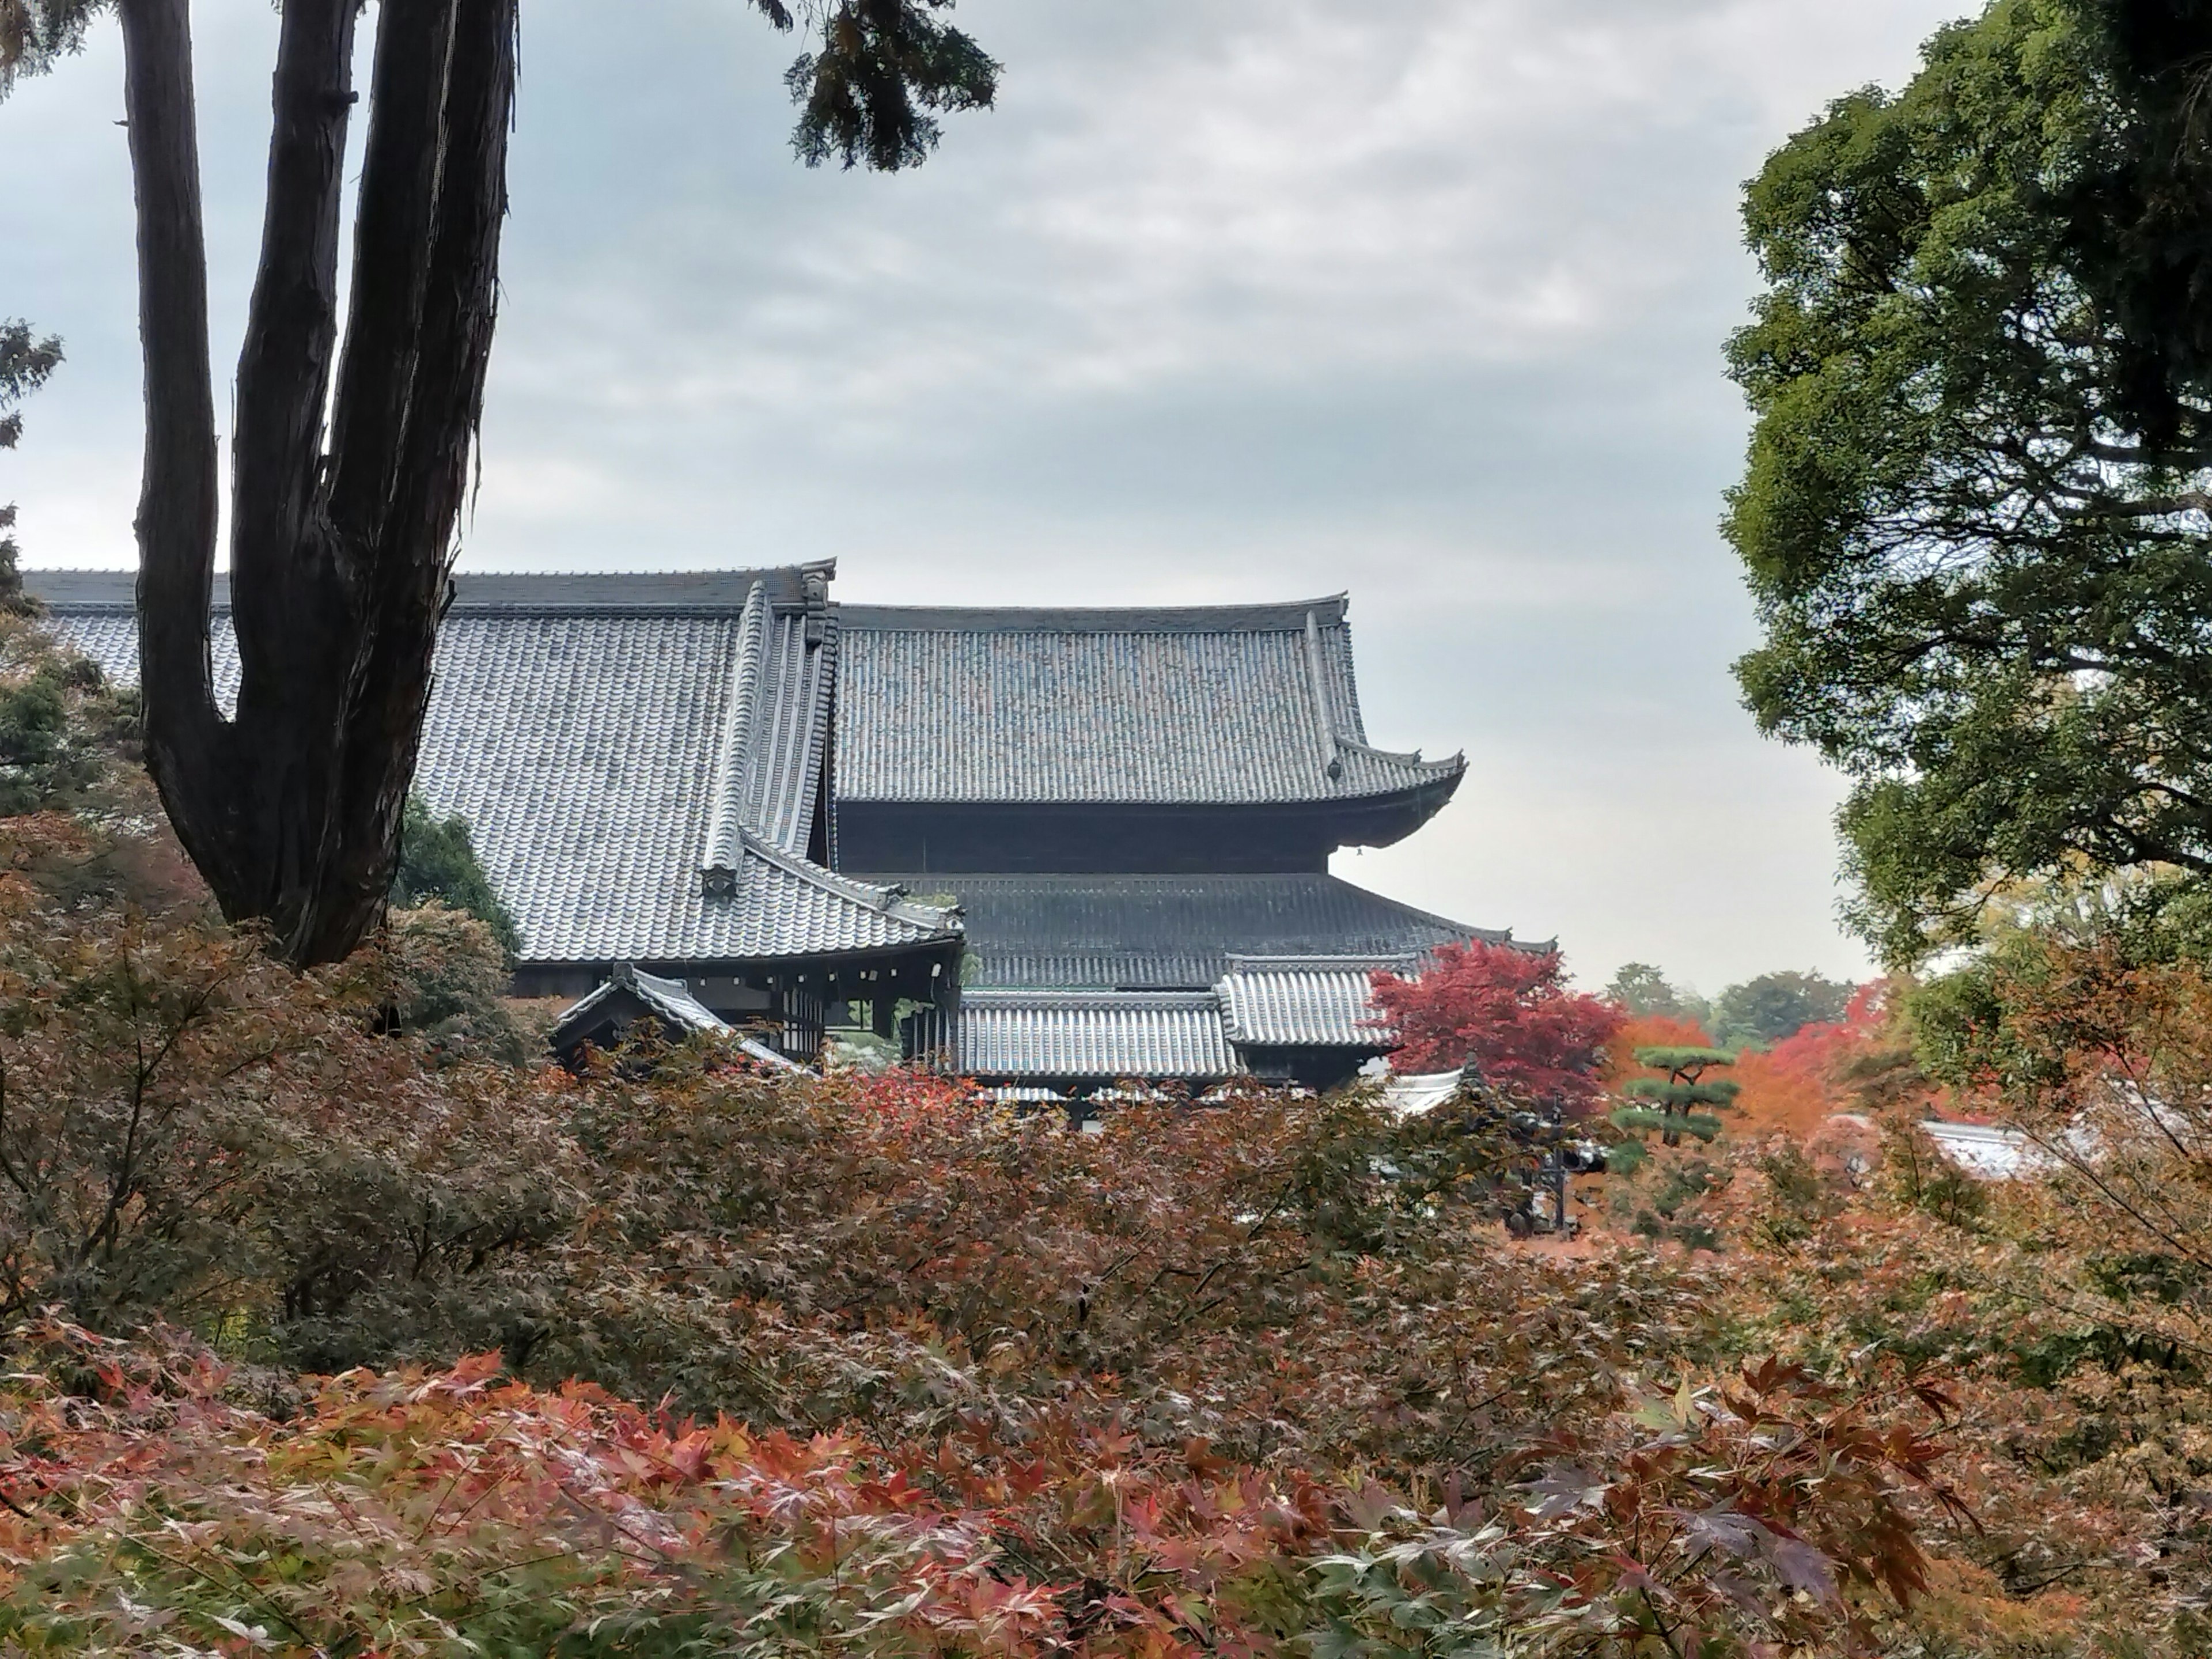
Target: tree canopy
{"x":1974,"y":514}
{"x":1641,"y":988}
{"x":1770,"y":1007}
{"x":438,"y":860}
{"x":26,"y":361}
{"x":1669,"y":1102}
{"x":1509,"y":1011}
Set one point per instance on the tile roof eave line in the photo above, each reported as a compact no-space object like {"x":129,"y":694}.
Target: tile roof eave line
{"x":100,"y":593}
{"x":1268,"y":618}
{"x":710,"y":966}
{"x":1409,"y":759}
{"x":1088,"y":1000}
{"x":929,"y":917}
{"x":1424,"y":775}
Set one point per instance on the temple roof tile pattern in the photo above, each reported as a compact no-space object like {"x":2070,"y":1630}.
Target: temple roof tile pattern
{"x":672,"y":1001}
{"x":1077,"y":1033}
{"x":1169,"y":931}
{"x":1312,"y":1002}
{"x":580,"y":725}
{"x":1218,"y":705}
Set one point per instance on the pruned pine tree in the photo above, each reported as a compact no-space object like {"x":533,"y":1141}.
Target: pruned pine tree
{"x":342,"y":523}
{"x":1672,"y":1103}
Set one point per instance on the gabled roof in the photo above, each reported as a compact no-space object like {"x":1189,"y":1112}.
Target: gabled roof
{"x":1217,"y":705}
{"x":1163,"y":932}
{"x":1410,"y":1094}
{"x":1291,"y":1002}
{"x":1078,"y":1035}
{"x":629,"y":993}
{"x":609,"y":740}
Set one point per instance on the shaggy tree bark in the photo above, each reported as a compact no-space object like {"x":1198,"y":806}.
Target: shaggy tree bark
{"x":340,"y":562}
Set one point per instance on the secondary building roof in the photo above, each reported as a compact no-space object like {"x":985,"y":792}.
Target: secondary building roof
{"x":1077,"y":1033}
{"x":1168,"y":932}
{"x":1296,"y":1002}
{"x":1214,"y":704}
{"x":604,"y":1016}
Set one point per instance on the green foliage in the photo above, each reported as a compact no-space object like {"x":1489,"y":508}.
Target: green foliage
{"x":1923,"y":1178}
{"x":1642,"y":989}
{"x":1982,"y":585}
{"x":1680,"y":1097}
{"x":1798,"y":1197}
{"x":1763,"y":1011}
{"x":25,"y":363}
{"x":427,"y":1513}
{"x":867,"y":91}
{"x":64,"y":733}
{"x":1684,"y":1086}
{"x":438,"y":860}
{"x":34,"y":33}
{"x":1671,"y":1126}
{"x":1686,"y":1062}
{"x":938,"y":1381}
{"x":449,"y":976}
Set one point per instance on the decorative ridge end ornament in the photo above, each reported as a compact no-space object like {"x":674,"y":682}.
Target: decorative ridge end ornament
{"x":353,"y":435}
{"x":817,"y":587}
{"x":1317,"y":685}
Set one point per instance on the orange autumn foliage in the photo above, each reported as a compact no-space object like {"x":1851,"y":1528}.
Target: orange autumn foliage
{"x":1780,"y":1095}
{"x":1649,"y":1032}
{"x":1789,"y":1089}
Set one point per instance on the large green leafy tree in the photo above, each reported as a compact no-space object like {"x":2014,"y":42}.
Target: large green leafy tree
{"x":1975,"y":512}
{"x":350,"y":455}
{"x":1773,"y":1006}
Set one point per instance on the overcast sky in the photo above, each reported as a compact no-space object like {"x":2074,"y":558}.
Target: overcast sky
{"x":1228,"y":299}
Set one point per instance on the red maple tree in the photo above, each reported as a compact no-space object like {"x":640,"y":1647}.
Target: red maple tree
{"x":1509,"y":1011}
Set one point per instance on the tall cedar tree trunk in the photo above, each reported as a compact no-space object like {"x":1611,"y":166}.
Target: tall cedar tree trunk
{"x":340,"y":557}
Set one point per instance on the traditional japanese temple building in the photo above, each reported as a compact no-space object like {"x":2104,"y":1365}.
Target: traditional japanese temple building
{"x":1050,"y":848}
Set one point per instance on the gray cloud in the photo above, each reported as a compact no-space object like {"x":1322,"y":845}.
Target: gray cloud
{"x":1418,"y":298}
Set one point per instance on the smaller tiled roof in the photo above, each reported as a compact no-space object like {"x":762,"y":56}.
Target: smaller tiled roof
{"x":668,"y":999}
{"x":1093,"y":1033}
{"x":1989,"y":1150}
{"x":1410,"y":1094}
{"x":1305,"y":1002}
{"x":783,"y":905}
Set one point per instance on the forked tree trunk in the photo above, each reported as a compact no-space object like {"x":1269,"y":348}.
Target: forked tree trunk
{"x":341,"y":551}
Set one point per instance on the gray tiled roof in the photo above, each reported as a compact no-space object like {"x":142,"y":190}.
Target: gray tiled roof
{"x":1096,"y":969}
{"x":1211,"y":704}
{"x":1312,"y":1002}
{"x":671,"y":1000}
{"x":579,"y":725}
{"x":648,"y":592}
{"x":1173,"y":930}
{"x":1097,"y":1034}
